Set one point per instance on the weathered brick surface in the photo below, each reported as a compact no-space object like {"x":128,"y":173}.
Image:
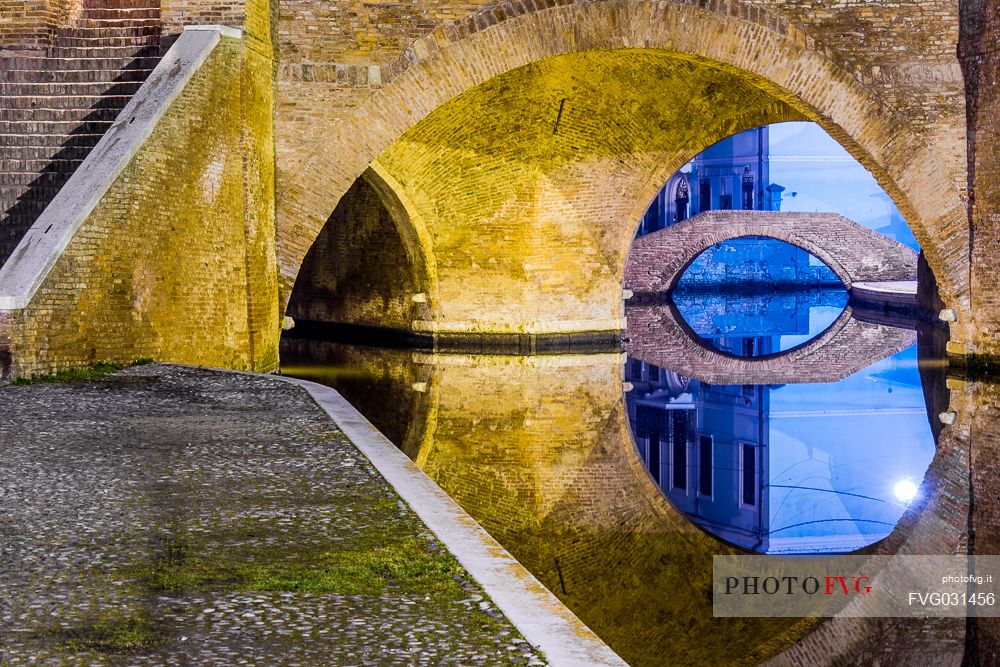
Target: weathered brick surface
{"x":360,"y":270}
{"x":357,"y":79}
{"x":33,"y":23}
{"x":980,"y":52}
{"x":658,"y":334}
{"x":914,"y":146}
{"x":854,"y":253}
{"x":529,"y":187}
{"x":175,"y":261}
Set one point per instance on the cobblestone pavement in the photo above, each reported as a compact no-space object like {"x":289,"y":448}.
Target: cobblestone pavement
{"x":168,"y":515}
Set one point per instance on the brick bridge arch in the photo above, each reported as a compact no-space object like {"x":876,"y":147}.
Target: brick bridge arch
{"x":740,"y":39}
{"x":853,"y":252}
{"x":658,"y":334}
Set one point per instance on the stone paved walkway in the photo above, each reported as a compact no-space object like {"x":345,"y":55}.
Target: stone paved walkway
{"x":168,"y":515}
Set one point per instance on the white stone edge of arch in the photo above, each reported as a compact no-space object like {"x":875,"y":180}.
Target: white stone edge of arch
{"x":546,"y":623}
{"x":41,"y":247}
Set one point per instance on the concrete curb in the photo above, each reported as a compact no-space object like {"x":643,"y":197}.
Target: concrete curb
{"x":538,"y":614}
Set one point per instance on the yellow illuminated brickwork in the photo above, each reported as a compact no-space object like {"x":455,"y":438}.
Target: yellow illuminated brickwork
{"x":176,"y":262}
{"x":531,"y":185}
{"x":334,"y":117}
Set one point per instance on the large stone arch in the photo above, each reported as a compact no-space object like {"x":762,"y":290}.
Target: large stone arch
{"x":743,"y":40}
{"x":853,"y":252}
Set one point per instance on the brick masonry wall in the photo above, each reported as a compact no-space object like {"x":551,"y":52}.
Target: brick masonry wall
{"x":980,"y":54}
{"x":33,"y":23}
{"x":254,"y":17}
{"x":163,"y":267}
{"x":528,"y":186}
{"x":854,"y":252}
{"x":360,"y":107}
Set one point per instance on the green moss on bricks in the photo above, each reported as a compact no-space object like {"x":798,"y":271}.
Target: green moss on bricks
{"x":92,"y":372}
{"x":408,"y":565}
{"x":128,"y":634}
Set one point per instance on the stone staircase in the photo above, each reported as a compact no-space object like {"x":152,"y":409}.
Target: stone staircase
{"x":57,"y":102}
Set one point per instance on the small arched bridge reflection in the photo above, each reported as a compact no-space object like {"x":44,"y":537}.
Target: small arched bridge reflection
{"x":657,"y":334}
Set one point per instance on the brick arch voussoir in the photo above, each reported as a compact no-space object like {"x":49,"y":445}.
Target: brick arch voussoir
{"x":735,"y":36}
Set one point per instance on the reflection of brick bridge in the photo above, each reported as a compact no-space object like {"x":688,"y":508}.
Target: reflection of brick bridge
{"x":855,"y":253}
{"x":658,"y":335}
{"x":546,"y":463}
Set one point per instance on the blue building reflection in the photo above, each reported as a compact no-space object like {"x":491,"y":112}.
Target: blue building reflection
{"x":810,"y":468}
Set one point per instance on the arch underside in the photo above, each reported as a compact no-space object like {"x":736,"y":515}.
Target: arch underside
{"x":529,"y":165}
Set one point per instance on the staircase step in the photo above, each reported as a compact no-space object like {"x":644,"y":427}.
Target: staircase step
{"x":140,"y":61}
{"x":68,"y":126}
{"x":44,"y":152}
{"x":47,"y":140}
{"x":129,"y":16}
{"x":104,"y":43}
{"x":115,"y":5}
{"x":23,"y":211}
{"x":150,"y":28}
{"x":42,"y":120}
{"x":58,"y":166}
{"x":67,"y":101}
{"x":70,"y":101}
{"x":63,"y":77}
{"x":56,"y":89}
{"x":12,"y":193}
{"x":98,"y":51}
{"x":22,"y":179}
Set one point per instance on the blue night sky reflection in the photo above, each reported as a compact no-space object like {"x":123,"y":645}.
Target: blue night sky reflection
{"x":837,"y":452}
{"x":805,"y":468}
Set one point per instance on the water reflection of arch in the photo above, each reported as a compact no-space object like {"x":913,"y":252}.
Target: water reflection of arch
{"x":658,"y":335}
{"x":539,"y":451}
{"x":853,"y":252}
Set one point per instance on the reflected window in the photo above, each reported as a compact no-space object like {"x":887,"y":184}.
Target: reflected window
{"x":654,"y":455}
{"x":748,"y":467}
{"x":705,"y":465}
{"x":679,"y":452}
{"x":747,"y":190}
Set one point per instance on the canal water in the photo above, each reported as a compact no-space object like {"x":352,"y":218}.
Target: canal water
{"x":615,"y":477}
